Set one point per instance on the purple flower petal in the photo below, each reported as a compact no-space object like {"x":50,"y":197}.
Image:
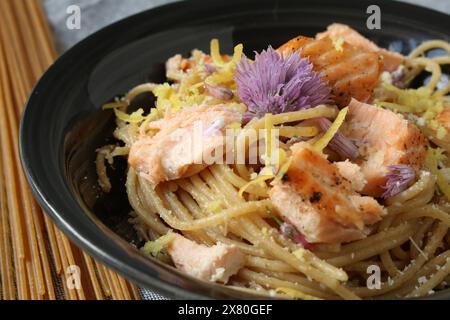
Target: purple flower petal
{"x":398,"y":77}
{"x":219,"y":92}
{"x":275,"y":84}
{"x":399,"y":179}
{"x":289,"y":231}
{"x":340,"y":143}
{"x":210,"y":69}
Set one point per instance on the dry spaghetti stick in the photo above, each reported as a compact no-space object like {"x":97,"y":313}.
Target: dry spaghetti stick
{"x":33,"y":290}
{"x":7,"y":274}
{"x":43,"y":32}
{"x":26,"y":200}
{"x":37,"y":213}
{"x":113,"y":287}
{"x":70,"y":293}
{"x":52,"y":239}
{"x":103,"y":280}
{"x":18,"y":99}
{"x":8,"y":163}
{"x":114,"y":294}
{"x":53,"y":244}
{"x":134,"y":290}
{"x":28,"y":41}
{"x":116,"y":285}
{"x":71,"y":262}
{"x":28,"y":218}
{"x":14,"y":43}
{"x":93,"y":276}
{"x":123,"y":287}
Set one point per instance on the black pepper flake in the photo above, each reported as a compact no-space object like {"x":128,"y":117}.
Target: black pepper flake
{"x":285,"y":177}
{"x":315,"y":197}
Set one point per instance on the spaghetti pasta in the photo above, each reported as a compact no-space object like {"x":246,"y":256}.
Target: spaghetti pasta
{"x":231,"y":204}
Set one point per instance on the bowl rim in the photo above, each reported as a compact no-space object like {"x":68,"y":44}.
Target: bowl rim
{"x":142,"y":277}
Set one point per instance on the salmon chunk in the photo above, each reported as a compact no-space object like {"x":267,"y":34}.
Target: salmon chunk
{"x":320,"y":202}
{"x":351,"y":72}
{"x":391,"y":60}
{"x":352,"y":172}
{"x":216,"y":264}
{"x":185,"y":140}
{"x":384,"y":138}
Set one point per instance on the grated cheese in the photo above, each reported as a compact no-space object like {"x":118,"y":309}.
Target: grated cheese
{"x":300,"y":254}
{"x":338,"y":44}
{"x":421,"y":100}
{"x":264,"y":231}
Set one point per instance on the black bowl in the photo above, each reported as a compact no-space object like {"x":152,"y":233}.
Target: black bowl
{"x":63,"y":125}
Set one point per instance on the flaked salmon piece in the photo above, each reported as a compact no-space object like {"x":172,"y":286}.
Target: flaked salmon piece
{"x":217,"y":263}
{"x":384,"y":138}
{"x":176,"y":66}
{"x":351,"y":72}
{"x":352,"y":172}
{"x":391,"y":60}
{"x":320,"y":202}
{"x":185,"y":140}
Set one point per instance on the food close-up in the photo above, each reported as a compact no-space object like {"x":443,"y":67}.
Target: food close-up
{"x":231,"y":150}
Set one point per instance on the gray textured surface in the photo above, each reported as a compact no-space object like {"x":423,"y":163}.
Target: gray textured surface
{"x":96,"y":14}
{"x":99,"y":13}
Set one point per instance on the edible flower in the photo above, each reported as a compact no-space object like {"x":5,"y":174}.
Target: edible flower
{"x":219,"y":92}
{"x":276,"y":84}
{"x":399,"y":179}
{"x":289,"y":231}
{"x":339,"y":143}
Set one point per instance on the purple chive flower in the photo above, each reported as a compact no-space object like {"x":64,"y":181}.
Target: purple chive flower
{"x":219,"y":92}
{"x":275,"y":84}
{"x":340,"y":143}
{"x":289,"y":231}
{"x":398,"y":77}
{"x":399,"y":179}
{"x":210,"y":69}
